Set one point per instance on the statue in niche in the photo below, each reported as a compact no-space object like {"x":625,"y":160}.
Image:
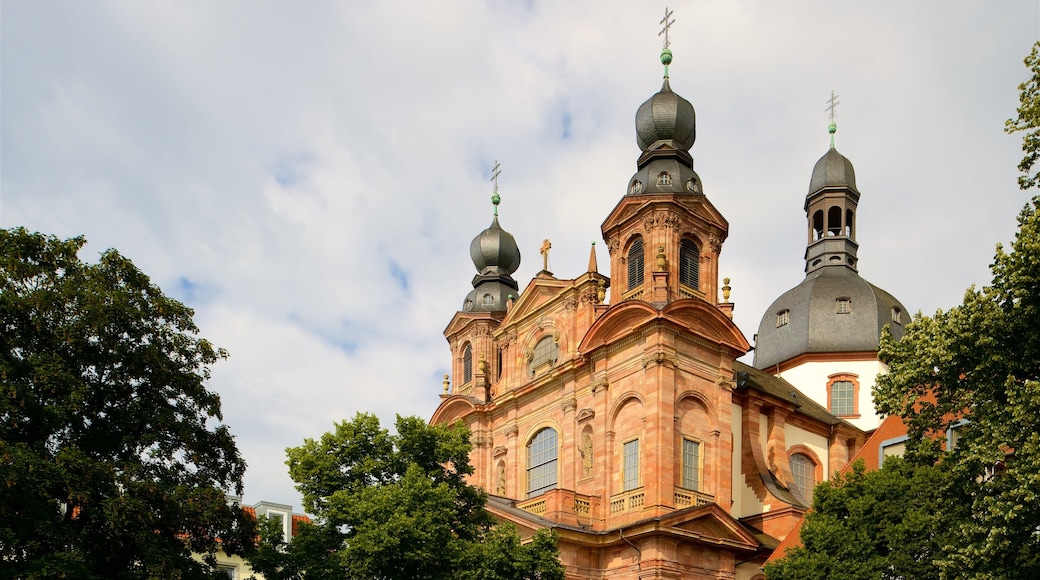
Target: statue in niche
{"x":501,"y":488}
{"x":586,"y":454}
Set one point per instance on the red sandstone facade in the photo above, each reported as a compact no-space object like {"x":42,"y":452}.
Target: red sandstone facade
{"x":629,"y":427}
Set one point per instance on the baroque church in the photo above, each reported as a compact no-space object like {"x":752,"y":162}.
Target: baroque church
{"x":629,"y":427}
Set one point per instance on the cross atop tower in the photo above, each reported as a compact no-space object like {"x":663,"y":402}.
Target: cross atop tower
{"x":832,"y":108}
{"x":495,"y":172}
{"x":832,"y":105}
{"x":667,"y":24}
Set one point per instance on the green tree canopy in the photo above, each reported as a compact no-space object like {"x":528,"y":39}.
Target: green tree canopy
{"x":888,"y":523}
{"x":397,"y":506}
{"x":112,"y":462}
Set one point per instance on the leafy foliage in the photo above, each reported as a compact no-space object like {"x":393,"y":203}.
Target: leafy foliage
{"x":1029,"y":120}
{"x":108,"y":463}
{"x":888,"y":523}
{"x":397,"y":506}
{"x":980,"y":362}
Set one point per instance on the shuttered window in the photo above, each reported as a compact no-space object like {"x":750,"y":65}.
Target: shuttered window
{"x":635,"y":264}
{"x":689,"y":264}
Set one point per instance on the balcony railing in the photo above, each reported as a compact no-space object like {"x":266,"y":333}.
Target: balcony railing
{"x":684,"y":498}
{"x":627,"y":501}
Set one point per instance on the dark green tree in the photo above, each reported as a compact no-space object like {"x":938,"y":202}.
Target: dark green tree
{"x":112,"y":463}
{"x":397,"y":506}
{"x":888,"y":523}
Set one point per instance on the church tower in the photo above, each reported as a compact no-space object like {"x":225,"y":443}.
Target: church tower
{"x":823,"y":334}
{"x":629,"y":427}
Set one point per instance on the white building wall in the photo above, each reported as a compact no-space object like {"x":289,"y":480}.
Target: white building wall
{"x":811,"y":378}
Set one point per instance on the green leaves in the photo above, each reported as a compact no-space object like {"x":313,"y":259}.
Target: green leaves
{"x":398,"y":506}
{"x":1028,"y":120}
{"x":106,"y":461}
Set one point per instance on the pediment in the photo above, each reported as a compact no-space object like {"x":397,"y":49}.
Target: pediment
{"x":711,"y":524}
{"x":462,"y":320}
{"x":539,"y":292}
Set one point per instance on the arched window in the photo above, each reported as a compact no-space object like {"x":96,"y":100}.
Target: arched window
{"x":689,"y":264}
{"x":803,"y":468}
{"x":546,"y":352}
{"x":542,"y":454}
{"x":817,"y":225}
{"x":635,"y":264}
{"x":489,"y":300}
{"x":850,"y":224}
{"x":834,"y":221}
{"x":467,"y":364}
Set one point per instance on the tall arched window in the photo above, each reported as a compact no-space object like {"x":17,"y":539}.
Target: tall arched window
{"x":804,"y":471}
{"x":817,"y":225}
{"x":635,"y":264}
{"x":467,"y":364}
{"x":834,"y":221}
{"x":542,"y":454}
{"x":689,"y":264}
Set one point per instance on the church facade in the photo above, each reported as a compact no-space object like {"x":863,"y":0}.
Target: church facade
{"x":629,"y":426}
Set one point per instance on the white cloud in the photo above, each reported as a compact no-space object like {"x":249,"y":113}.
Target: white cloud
{"x":285,"y":167}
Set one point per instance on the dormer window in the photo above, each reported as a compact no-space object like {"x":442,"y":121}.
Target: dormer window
{"x":842,"y":306}
{"x":897,"y":315}
{"x":489,"y":300}
{"x":783,"y":317}
{"x":664,"y":178}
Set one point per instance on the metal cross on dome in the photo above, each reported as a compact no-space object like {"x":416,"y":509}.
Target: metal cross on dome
{"x":832,"y":105}
{"x":495,"y":172}
{"x":667,"y":24}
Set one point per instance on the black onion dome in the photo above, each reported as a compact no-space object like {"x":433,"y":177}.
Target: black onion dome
{"x":666,"y":117}
{"x":495,"y":248}
{"x":832,"y":170}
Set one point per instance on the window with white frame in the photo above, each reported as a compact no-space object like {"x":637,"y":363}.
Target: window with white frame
{"x":691,"y":464}
{"x":783,"y":318}
{"x":843,"y":398}
{"x":804,"y":471}
{"x":630,"y":462}
{"x":542,"y":459}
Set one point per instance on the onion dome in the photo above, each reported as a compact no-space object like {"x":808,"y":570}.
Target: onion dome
{"x":833,"y":169}
{"x":496,"y":256}
{"x":666,"y":119}
{"x":495,"y":248}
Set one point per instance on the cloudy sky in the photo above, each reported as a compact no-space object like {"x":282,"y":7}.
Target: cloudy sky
{"x":308,"y":176}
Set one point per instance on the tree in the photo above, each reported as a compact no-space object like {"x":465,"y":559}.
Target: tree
{"x":888,"y":523}
{"x":979,"y":363}
{"x":397,"y":506}
{"x":111,"y":463}
{"x":1029,"y":120}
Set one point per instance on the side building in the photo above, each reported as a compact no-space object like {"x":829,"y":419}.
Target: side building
{"x":630,"y":427}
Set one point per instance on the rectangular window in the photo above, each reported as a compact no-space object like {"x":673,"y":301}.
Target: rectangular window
{"x":231,"y":571}
{"x":842,"y":306}
{"x":631,"y":463}
{"x":782,"y":318}
{"x":691,"y":465}
{"x":842,"y":398}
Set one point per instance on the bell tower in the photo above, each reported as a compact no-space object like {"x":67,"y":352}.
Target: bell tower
{"x":664,"y":236}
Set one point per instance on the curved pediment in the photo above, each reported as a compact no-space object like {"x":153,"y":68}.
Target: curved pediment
{"x":708,"y":322}
{"x":691,"y":315}
{"x":452,"y":409}
{"x":617,"y":321}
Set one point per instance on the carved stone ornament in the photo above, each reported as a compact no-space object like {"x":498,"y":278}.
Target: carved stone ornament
{"x":584,"y":415}
{"x":662,"y":219}
{"x":600,"y":385}
{"x":657,"y":358}
{"x":569,"y":404}
{"x":571,"y":304}
{"x":715,"y":242}
{"x":556,"y":335}
{"x":512,"y":429}
{"x":509,"y":338}
{"x":529,"y":354}
{"x":499,"y":451}
{"x":590,"y":296}
{"x":481,"y":440}
{"x":724,"y":383}
{"x":613,"y":244}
